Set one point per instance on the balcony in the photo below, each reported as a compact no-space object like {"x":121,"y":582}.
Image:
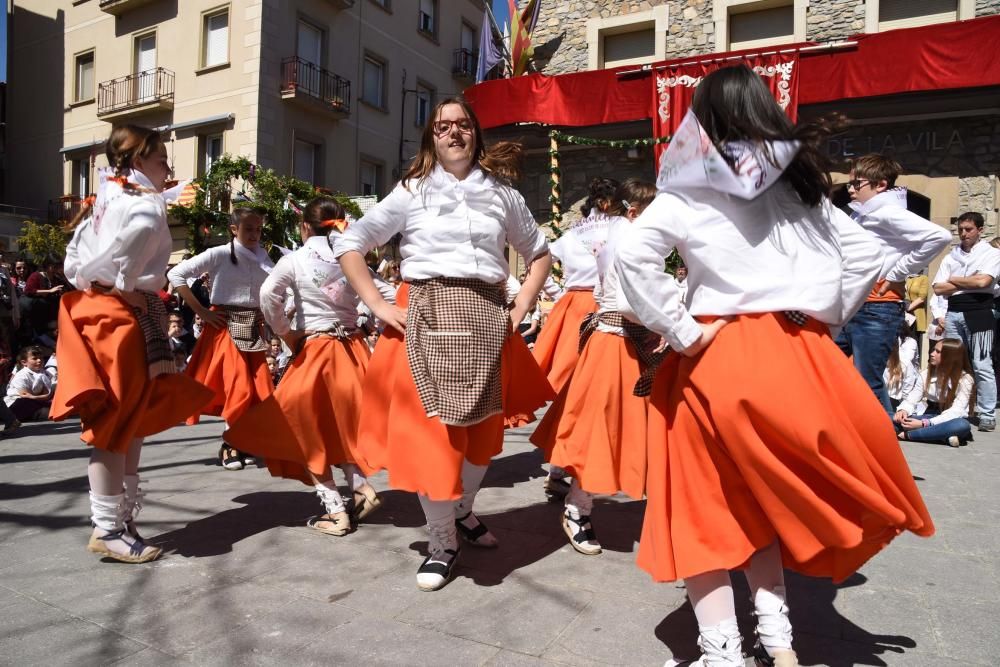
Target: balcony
{"x":119,"y":7}
{"x":142,"y":92}
{"x":315,"y":88}
{"x":342,"y":4}
{"x":464,"y":63}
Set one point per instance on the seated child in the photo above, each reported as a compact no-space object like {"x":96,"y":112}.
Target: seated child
{"x":29,"y":392}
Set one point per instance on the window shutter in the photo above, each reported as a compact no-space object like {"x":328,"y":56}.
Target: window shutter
{"x":217,"y":39}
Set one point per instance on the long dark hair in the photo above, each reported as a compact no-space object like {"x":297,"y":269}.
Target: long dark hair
{"x":501,"y":160}
{"x":124,"y":145}
{"x":733,"y":104}
{"x":321,"y":210}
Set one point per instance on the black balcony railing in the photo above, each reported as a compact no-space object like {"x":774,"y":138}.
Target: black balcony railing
{"x":300,"y":76}
{"x":464,"y":63}
{"x":135,"y":90}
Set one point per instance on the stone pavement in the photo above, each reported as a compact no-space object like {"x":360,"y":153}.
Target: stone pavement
{"x":244,"y":582}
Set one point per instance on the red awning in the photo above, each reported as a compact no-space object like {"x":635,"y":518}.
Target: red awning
{"x":961,"y":54}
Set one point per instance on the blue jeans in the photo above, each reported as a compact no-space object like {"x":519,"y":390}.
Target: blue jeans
{"x":941,"y":432}
{"x":868,"y":337}
{"x":982,"y":364}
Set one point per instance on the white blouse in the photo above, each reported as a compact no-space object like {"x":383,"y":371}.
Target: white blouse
{"x":915,"y":402}
{"x":761,"y":255}
{"x":321,"y":294}
{"x":27,"y":380}
{"x":232,"y":284}
{"x":576,"y":251}
{"x":450,"y":228}
{"x":126,"y":245}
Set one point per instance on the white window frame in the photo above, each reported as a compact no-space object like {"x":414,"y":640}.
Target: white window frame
{"x":207,"y":160}
{"x":598,"y":28}
{"x":82,"y":177}
{"x":379,"y":172}
{"x":721,"y":10}
{"x":77,"y":97}
{"x":966,"y":10}
{"x":382,"y":102}
{"x":206,"y":18}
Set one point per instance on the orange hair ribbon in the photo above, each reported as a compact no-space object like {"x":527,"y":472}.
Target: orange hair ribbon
{"x":339,"y":224}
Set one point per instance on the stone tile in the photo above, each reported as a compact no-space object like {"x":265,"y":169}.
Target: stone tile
{"x":968,"y":631}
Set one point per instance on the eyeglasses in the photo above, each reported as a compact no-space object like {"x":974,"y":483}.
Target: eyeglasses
{"x":858,"y":183}
{"x":443,"y":127}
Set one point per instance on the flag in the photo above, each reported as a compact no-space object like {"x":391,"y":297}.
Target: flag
{"x":489,"y":50}
{"x":521,"y":26}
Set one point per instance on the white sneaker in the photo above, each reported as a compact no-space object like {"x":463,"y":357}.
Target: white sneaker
{"x":953,"y":441}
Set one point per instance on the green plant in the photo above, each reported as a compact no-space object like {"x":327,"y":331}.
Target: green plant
{"x":38,"y":240}
{"x":235,"y":181}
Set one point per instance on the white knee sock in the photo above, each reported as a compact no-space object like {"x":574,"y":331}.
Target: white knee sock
{"x":440,"y":515}
{"x":711,"y":595}
{"x":766,"y":577}
{"x":133,"y":497}
{"x":472,"y":479}
{"x":330,"y":496}
{"x":578,"y":502}
{"x":106,"y":511}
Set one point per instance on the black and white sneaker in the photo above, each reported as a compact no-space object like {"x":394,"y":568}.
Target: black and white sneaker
{"x":230,"y":459}
{"x":436,"y":570}
{"x":581,"y":534}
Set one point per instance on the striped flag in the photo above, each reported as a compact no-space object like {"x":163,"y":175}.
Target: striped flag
{"x":522,"y":24}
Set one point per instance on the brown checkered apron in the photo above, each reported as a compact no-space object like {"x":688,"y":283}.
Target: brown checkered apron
{"x":153,"y":324}
{"x":455,"y":331}
{"x":644,"y":341}
{"x":246,"y":327}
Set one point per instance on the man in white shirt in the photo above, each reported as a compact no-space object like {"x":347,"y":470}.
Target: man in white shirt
{"x":967,"y":276}
{"x":908,"y":244}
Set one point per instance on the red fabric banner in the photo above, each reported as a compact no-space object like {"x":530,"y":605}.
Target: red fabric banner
{"x":961,"y":54}
{"x":673,"y":89}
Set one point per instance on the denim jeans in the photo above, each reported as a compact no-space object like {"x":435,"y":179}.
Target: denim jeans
{"x":941,"y":432}
{"x":982,"y":365}
{"x":868,"y":337}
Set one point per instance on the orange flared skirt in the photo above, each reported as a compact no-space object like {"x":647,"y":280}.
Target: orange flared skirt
{"x":310,"y":422}
{"x":421,"y":453}
{"x":238,"y":379}
{"x":771,"y":434}
{"x":103,"y":376}
{"x":557,"y":347}
{"x":596,"y":428}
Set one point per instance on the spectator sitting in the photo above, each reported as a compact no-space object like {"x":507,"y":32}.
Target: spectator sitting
{"x":180,"y":359}
{"x":901,"y":375}
{"x":277,"y":351}
{"x":29,"y":393}
{"x":197,"y":326}
{"x":937,"y":408}
{"x":52,"y":370}
{"x":180,"y":338}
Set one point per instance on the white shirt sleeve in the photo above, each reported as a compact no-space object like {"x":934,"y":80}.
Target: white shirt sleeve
{"x":959,"y":408}
{"x":136,"y":243}
{"x":273,"y":294}
{"x":523,"y":233}
{"x":18,"y":383}
{"x":915,"y":396}
{"x":192,"y":267}
{"x":861,"y":259}
{"x":378,"y":225}
{"x":926,"y":238}
{"x":387,"y":291}
{"x":650,"y":294}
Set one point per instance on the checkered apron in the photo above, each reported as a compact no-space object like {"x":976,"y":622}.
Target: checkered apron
{"x":644,"y":341}
{"x":455,"y":331}
{"x":246,"y":327}
{"x":153,"y":324}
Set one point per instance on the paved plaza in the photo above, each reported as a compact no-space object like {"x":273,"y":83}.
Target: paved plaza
{"x":243,"y":582}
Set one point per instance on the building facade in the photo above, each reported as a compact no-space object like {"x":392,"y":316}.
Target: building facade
{"x":941,"y":138}
{"x":332,"y":91}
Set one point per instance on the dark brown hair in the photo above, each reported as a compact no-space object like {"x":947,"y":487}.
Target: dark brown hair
{"x":601,"y":190}
{"x":639,"y":194}
{"x":734,"y":104}
{"x":876,"y":167}
{"x":238,"y":215}
{"x":320,"y":209}
{"x":501,"y":160}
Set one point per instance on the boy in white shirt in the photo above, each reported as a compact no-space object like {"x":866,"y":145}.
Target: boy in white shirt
{"x":29,"y":393}
{"x":908,"y":244}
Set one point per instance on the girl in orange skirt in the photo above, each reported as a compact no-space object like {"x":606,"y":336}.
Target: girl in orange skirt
{"x":765,"y":446}
{"x":596,"y":428}
{"x":310,"y":423}
{"x":230,"y":355}
{"x":434,"y":406}
{"x":116,"y":370}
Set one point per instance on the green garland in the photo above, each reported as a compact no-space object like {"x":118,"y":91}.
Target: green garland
{"x":555,"y":198}
{"x":234,"y":181}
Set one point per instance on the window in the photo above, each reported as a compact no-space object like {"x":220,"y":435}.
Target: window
{"x":427,"y":17}
{"x":305,"y":161}
{"x":145,"y":53}
{"x":908,"y":13}
{"x":370,"y":175}
{"x":210,"y":150}
{"x":468,"y":37}
{"x":81,"y":177}
{"x":425,"y":100}
{"x":215,"y":39}
{"x":636,"y":38}
{"x":84,"y":87}
{"x":630,"y":48}
{"x":310,"y":43}
{"x":384,"y":4}
{"x":763,"y":27}
{"x":373,"y":83}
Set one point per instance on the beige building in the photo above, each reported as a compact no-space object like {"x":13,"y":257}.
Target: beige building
{"x":332,"y":91}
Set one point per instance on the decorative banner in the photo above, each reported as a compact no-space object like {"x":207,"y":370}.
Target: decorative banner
{"x":673,"y":88}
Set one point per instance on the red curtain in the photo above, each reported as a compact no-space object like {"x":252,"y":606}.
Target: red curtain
{"x":673,"y":88}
